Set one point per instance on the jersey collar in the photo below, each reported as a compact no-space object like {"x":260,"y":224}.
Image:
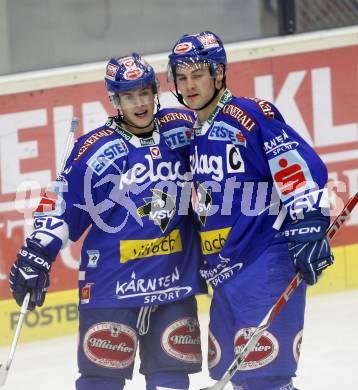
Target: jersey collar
{"x":134,"y":140}
{"x":201,"y":128}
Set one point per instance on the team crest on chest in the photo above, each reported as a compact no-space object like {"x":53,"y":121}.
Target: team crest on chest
{"x":160,"y":208}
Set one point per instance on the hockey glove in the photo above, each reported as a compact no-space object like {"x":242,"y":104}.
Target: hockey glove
{"x":309,"y":247}
{"x":29,"y":273}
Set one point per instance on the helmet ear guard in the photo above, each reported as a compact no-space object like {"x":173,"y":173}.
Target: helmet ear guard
{"x":114,"y":99}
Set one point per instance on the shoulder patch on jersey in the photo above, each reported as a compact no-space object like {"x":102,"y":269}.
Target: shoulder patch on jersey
{"x":242,"y":117}
{"x":91,"y":140}
{"x":265,"y":107}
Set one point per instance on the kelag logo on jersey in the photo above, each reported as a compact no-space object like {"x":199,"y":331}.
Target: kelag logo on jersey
{"x":160,"y":208}
{"x":221,"y":131}
{"x":105,"y":155}
{"x":177,"y":137}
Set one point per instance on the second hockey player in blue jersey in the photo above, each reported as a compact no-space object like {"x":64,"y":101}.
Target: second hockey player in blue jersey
{"x":259,"y":189}
{"x":129,"y":183}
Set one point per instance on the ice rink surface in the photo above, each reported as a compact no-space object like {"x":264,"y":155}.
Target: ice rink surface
{"x":329,"y":355}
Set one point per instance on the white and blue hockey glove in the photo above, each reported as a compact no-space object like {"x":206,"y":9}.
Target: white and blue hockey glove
{"x":30,"y":273}
{"x":309,"y":247}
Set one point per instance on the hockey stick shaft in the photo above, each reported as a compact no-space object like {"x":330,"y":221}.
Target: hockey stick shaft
{"x":280,"y":303}
{"x":70,"y":137}
{"x":4,"y":369}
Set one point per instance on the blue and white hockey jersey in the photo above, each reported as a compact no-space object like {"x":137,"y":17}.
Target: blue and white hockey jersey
{"x":253,"y":175}
{"x":132,"y":194}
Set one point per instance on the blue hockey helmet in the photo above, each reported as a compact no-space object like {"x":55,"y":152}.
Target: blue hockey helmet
{"x":127,"y":73}
{"x":204,"y":47}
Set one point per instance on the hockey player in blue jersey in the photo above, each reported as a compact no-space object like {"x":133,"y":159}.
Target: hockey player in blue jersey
{"x":259,"y":195}
{"x":129,"y":183}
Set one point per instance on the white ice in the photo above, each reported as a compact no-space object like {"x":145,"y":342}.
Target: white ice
{"x":329,"y":354}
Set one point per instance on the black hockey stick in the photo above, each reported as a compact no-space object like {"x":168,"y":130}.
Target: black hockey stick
{"x":4,"y":368}
{"x":280,"y":303}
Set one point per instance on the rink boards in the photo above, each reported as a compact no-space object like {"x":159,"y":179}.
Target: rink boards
{"x":312,"y":78}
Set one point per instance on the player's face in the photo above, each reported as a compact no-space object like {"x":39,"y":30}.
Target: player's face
{"x":197,"y":85}
{"x":137,"y":106}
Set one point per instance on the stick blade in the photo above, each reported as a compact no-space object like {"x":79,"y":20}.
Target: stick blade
{"x":3,"y":374}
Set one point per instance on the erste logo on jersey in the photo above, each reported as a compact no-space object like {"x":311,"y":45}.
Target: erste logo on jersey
{"x":264,"y":352}
{"x":221,"y":131}
{"x":181,"y":340}
{"x":106,"y":155}
{"x":291,"y":173}
{"x":175,"y":138}
{"x":110,"y":345}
